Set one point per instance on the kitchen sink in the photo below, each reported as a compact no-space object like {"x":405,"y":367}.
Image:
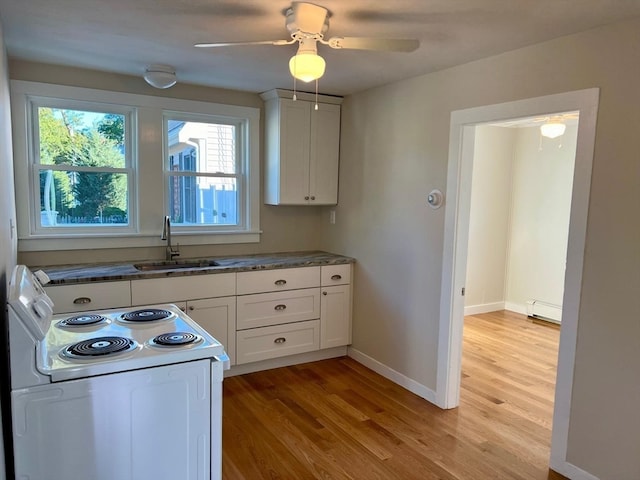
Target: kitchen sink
{"x":175,"y":265}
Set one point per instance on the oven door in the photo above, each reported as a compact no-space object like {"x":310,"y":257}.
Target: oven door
{"x":149,"y":424}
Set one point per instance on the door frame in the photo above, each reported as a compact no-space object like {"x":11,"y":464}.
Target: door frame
{"x":456,"y":233}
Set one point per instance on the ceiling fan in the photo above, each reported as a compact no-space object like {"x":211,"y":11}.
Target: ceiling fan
{"x":308,"y":23}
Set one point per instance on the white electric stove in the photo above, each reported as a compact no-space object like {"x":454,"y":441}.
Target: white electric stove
{"x":133,"y":394}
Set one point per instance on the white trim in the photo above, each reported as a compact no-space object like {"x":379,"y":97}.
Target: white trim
{"x":483,"y":308}
{"x":515,"y":307}
{"x":287,"y":361}
{"x":148,"y":199}
{"x":571,"y":471}
{"x":463,"y":124}
{"x":393,"y":375}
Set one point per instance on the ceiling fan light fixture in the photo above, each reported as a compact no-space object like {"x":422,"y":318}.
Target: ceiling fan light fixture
{"x":307,"y":66}
{"x":160,"y":76}
{"x":552,"y":129}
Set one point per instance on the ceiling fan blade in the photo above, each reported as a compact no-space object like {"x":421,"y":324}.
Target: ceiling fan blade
{"x":382,"y":44}
{"x":232,"y":44}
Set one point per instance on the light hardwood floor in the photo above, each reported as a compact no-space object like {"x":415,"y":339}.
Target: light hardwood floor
{"x":336,"y":419}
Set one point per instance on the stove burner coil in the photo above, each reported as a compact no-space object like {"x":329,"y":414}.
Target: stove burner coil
{"x":99,"y":347}
{"x":176,"y":339}
{"x":82,"y":320}
{"x":146,"y":315}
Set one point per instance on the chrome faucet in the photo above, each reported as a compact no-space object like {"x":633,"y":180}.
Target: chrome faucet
{"x":166,"y":235}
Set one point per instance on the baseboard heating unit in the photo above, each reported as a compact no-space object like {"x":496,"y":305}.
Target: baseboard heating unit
{"x":544,"y":311}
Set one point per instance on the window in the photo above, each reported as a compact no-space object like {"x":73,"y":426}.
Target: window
{"x":205,"y":174}
{"x":81,"y":166}
{"x":99,"y":169}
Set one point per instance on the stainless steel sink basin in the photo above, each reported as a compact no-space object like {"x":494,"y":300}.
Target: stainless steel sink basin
{"x":175,"y":265}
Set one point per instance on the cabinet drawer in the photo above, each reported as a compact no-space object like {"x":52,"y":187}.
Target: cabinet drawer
{"x":271,"y":342}
{"x":335,"y":275}
{"x":175,"y":289}
{"x":278,"y":279}
{"x":89,"y":296}
{"x":274,"y":308}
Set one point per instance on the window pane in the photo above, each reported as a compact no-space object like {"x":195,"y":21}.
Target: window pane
{"x":201,"y":147}
{"x":79,"y":138}
{"x":72,"y":199}
{"x":197,"y":200}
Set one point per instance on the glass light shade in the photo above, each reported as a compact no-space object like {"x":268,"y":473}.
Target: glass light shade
{"x":552,"y":129}
{"x":307,"y":66}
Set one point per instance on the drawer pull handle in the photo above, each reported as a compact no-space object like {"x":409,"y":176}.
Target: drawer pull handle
{"x":336,"y":277}
{"x":280,"y":307}
{"x":280,"y":340}
{"x":280,"y":282}
{"x":82,"y":300}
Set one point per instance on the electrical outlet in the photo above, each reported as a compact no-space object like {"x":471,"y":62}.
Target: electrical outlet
{"x":332,"y":217}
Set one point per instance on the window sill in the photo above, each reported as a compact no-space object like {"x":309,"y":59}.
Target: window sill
{"x":130,"y":241}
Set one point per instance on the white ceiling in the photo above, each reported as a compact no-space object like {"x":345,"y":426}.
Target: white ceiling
{"x":124,"y":36}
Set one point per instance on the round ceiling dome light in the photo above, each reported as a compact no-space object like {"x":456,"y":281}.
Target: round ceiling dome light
{"x":160,"y":76}
{"x":307,"y":66}
{"x":552,"y":129}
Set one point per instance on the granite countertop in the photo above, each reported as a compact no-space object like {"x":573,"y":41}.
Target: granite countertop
{"x":105,"y":272}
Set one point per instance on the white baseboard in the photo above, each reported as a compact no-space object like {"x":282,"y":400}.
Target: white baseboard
{"x":394,"y":376}
{"x":571,"y":471}
{"x":287,"y":361}
{"x":483,"y":308}
{"x":515,"y":307}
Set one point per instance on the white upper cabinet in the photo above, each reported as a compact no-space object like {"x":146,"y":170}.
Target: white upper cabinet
{"x":302,"y":149}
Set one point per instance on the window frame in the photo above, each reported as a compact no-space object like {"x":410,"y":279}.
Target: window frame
{"x":146,"y":199}
{"x":242,"y":165}
{"x":34,"y":103}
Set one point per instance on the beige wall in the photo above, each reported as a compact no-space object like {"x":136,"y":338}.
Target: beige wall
{"x":489,"y":217}
{"x":394,"y":151}
{"x":539,"y":227}
{"x":285,"y":228}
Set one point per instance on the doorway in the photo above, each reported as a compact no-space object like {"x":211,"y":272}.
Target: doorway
{"x":461,"y":154}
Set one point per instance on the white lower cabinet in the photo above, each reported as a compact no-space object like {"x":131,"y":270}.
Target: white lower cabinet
{"x":255,"y":315}
{"x":263,"y":343}
{"x":218,"y":317}
{"x":208,"y":299}
{"x":335,"y":319}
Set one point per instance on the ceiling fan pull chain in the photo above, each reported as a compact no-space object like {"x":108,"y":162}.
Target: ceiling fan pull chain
{"x":295,"y":97}
{"x":316,"y":107}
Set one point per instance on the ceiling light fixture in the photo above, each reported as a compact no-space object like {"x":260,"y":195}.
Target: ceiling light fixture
{"x":307,"y":65}
{"x":552,"y":129}
{"x":160,"y":76}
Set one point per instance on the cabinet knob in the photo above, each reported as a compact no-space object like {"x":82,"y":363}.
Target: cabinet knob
{"x":313,"y":197}
{"x":82,"y":300}
{"x":182,"y":308}
{"x":191,"y":308}
{"x":280,"y":340}
{"x":280,"y":282}
{"x":336,"y":277}
{"x":324,"y":293}
{"x":280,"y":307}
{"x":306,"y":197}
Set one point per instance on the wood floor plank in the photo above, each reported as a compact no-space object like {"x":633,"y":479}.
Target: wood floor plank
{"x":336,"y":419}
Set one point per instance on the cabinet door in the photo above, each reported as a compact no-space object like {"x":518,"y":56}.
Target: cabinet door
{"x":218,"y":317}
{"x":294,"y":151}
{"x":335,"y":316}
{"x":324,"y":155}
